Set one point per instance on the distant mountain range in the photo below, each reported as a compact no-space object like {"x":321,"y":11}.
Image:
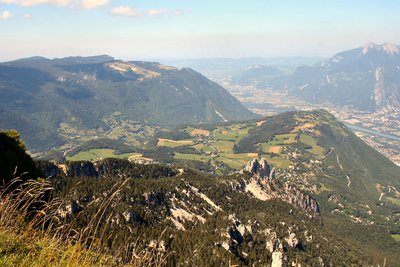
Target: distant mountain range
{"x":263,"y":76}
{"x":366,"y":78}
{"x":39,"y":95}
{"x":218,"y":69}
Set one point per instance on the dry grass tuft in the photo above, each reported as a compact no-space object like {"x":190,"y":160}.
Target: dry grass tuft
{"x":31,"y":233}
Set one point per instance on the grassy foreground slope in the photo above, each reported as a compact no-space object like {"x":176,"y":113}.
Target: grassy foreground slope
{"x":29,"y":235}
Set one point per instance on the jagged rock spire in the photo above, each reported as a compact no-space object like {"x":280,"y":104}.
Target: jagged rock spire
{"x":259,"y":168}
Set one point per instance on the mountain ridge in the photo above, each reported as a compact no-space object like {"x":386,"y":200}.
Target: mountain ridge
{"x":83,"y":93}
{"x":366,"y":78}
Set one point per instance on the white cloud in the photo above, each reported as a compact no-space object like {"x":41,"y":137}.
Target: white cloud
{"x":36,"y":2}
{"x":132,"y":12}
{"x":86,"y":4}
{"x":125,"y":11}
{"x":6,"y":15}
{"x":161,"y":12}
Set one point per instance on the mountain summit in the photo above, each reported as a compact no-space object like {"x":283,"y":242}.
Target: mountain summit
{"x":388,"y":48}
{"x":42,"y":97}
{"x":367,"y":78}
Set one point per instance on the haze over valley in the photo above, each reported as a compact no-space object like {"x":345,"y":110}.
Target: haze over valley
{"x":359,"y":86}
{"x":199,"y":133}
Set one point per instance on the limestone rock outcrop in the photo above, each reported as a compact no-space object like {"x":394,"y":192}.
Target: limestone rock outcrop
{"x":264,"y":187}
{"x":300,"y":199}
{"x":277,"y":257}
{"x":259,"y":168}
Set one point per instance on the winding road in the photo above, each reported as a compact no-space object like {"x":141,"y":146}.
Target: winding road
{"x":341,"y":167}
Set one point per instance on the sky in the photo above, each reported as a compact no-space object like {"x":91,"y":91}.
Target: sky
{"x":179,"y":29}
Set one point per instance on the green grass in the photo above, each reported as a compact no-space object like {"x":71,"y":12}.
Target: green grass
{"x":396,"y":237}
{"x":94,"y":154}
{"x":224,"y":146}
{"x":268,"y":148}
{"x":231,"y":163}
{"x":188,"y":129}
{"x":232,"y":132}
{"x":242,"y":157}
{"x":316,"y":149}
{"x":203,"y":158}
{"x":394,"y":201}
{"x":236,"y":161}
{"x":219,"y":172}
{"x":277,"y":162}
{"x":84,"y":155}
{"x":203,"y":148}
{"x":323,"y":188}
{"x":225,"y":134}
{"x":173,"y":143}
{"x":283,"y":139}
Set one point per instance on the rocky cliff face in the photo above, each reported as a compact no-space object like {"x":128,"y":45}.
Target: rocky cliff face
{"x":300,"y":199}
{"x":243,"y":218}
{"x":259,"y":168}
{"x":386,"y":94}
{"x":277,"y":257}
{"x":263,"y":186}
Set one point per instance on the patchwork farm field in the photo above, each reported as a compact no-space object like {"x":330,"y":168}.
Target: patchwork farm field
{"x":192,"y":157}
{"x":95,"y":154}
{"x":284,"y":139}
{"x":173,"y":143}
{"x":220,"y":143}
{"x":286,"y":142}
{"x":317,"y":150}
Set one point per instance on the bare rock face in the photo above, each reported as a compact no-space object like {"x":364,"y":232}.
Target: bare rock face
{"x":263,"y":186}
{"x":296,"y":197}
{"x":277,"y":257}
{"x":265,"y":169}
{"x":292,"y":240}
{"x":259,"y":168}
{"x":236,"y":234}
{"x":252,"y":166}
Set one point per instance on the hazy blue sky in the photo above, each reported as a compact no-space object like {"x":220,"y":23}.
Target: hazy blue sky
{"x":193,"y":28}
